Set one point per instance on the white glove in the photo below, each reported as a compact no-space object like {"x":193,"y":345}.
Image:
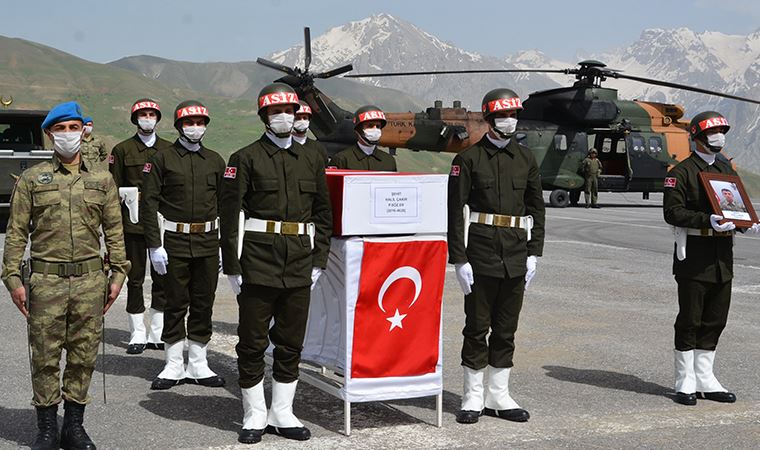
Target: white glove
{"x":159,"y":259}
{"x":754,"y":229}
{"x":235,"y":282}
{"x":465,"y":277}
{"x":530,"y":264}
{"x":316,"y":272}
{"x":728,"y":226}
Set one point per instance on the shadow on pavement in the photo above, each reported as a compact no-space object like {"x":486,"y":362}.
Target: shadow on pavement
{"x":24,"y":425}
{"x":607,"y":379}
{"x":223,"y":413}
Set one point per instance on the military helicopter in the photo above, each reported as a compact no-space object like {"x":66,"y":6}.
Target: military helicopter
{"x":637,"y":141}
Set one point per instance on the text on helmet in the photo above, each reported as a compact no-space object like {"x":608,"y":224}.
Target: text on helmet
{"x":502,"y":104}
{"x":277,"y":98}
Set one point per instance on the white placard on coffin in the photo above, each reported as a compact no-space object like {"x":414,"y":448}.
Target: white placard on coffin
{"x":330,"y":339}
{"x":380,"y":203}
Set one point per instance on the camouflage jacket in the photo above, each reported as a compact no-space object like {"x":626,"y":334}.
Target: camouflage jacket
{"x":94,"y":151}
{"x":62,"y":213}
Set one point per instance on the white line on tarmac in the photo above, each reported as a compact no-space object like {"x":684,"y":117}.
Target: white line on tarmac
{"x":587,"y":244}
{"x":663,"y":227}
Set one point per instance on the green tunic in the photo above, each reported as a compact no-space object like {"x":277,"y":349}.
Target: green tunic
{"x":353,"y":158}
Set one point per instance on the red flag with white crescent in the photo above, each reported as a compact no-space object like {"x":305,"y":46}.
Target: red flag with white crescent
{"x":398,"y":309}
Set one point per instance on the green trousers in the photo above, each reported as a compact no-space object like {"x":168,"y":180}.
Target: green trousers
{"x":591,"y":190}
{"x":190,"y":285}
{"x":702,"y":314}
{"x":65,"y":312}
{"x":137,"y":255}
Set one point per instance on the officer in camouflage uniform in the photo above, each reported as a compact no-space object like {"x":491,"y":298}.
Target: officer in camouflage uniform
{"x":126,"y":165}
{"x":60,"y":206}
{"x":703,"y":267}
{"x":729,"y":203}
{"x":280,"y":187}
{"x":93,"y":150}
{"x":369,"y":122}
{"x":301,"y":127}
{"x":592,"y":169}
{"x":182,"y":183}
{"x":498,"y":179}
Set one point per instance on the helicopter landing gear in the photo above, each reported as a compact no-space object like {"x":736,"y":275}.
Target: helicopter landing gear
{"x":559,"y":198}
{"x":575,"y":197}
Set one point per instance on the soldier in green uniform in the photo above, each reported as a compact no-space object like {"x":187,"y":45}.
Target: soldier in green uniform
{"x":301,"y":127}
{"x":272,"y":257}
{"x":182,"y":183}
{"x":93,"y":149}
{"x":702,"y":263}
{"x":592,"y":168}
{"x":729,"y":203}
{"x":60,"y":206}
{"x":494,"y":248}
{"x":126,"y":164}
{"x":364,"y":155}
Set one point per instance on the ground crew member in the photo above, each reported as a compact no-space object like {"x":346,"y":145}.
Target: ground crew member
{"x":182,"y":183}
{"x":280,"y":187}
{"x":369,"y":122}
{"x":301,"y":127}
{"x":704,"y":269}
{"x":498,"y":179}
{"x":93,"y":149}
{"x":60,"y":206}
{"x":592,"y":169}
{"x":126,"y":165}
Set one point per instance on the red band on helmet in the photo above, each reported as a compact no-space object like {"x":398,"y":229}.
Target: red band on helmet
{"x":712,"y":123}
{"x":502,"y":104}
{"x":371,"y":115}
{"x":304,"y":109}
{"x":192,"y":111}
{"x":145,"y":105}
{"x":278,"y":98}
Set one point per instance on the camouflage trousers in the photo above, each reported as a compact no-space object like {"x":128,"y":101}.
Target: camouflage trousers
{"x":65,"y":313}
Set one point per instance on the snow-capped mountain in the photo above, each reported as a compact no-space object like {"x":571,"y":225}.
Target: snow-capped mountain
{"x":383,"y":43}
{"x":709,"y":60}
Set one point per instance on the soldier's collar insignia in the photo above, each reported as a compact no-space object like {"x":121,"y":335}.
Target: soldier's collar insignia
{"x":45,"y":177}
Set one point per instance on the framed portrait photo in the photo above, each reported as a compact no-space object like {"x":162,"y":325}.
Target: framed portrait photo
{"x":729,"y":198}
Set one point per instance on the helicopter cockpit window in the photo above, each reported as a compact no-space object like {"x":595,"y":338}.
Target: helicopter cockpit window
{"x":637,"y":142}
{"x":560,"y":142}
{"x":606,"y":145}
{"x":620,"y":146}
{"x":655,"y":144}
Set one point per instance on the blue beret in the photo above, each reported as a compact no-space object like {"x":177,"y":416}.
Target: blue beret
{"x":87,"y":119}
{"x":61,"y":113}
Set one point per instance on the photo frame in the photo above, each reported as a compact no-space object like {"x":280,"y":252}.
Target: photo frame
{"x":729,"y":198}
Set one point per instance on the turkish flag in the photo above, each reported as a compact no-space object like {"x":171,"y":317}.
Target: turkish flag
{"x":397,"y":319}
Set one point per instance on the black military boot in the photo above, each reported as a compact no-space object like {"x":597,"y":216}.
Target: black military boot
{"x":73,"y":435}
{"x":47,"y":424}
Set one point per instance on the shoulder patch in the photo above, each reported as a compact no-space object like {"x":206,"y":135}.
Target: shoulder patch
{"x":45,"y":178}
{"x":230,"y":172}
{"x":147,"y":167}
{"x":454,"y":171}
{"x":670,"y":182}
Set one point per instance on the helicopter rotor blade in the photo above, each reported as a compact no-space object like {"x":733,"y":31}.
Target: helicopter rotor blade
{"x":276,"y":66}
{"x":307,"y":48}
{"x":334,"y":72}
{"x":682,"y":86}
{"x":454,"y":72}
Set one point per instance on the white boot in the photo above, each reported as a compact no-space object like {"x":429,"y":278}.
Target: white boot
{"x":686,"y":381}
{"x":281,"y":412}
{"x":197,"y":365}
{"x":136,"y":329}
{"x":497,"y":393}
{"x":703,"y":368}
{"x":472,"y":399}
{"x":254,"y":408}
{"x":156,"y":326}
{"x":175,"y":362}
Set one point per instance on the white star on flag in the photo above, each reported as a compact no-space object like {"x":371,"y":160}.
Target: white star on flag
{"x":396,"y":320}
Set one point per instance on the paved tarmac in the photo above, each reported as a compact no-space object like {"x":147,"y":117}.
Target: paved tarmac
{"x":593,"y":363}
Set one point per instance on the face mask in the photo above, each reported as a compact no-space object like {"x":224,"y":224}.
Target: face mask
{"x":67,"y":143}
{"x":716,"y":142}
{"x":194,"y":133}
{"x":301,"y":125}
{"x":281,"y":124}
{"x":505,"y":126}
{"x":372,"y":135}
{"x":146,"y":125}
{"x":88,"y":129}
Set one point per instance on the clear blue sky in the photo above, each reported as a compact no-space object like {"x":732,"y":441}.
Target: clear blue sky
{"x":236,"y":30}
